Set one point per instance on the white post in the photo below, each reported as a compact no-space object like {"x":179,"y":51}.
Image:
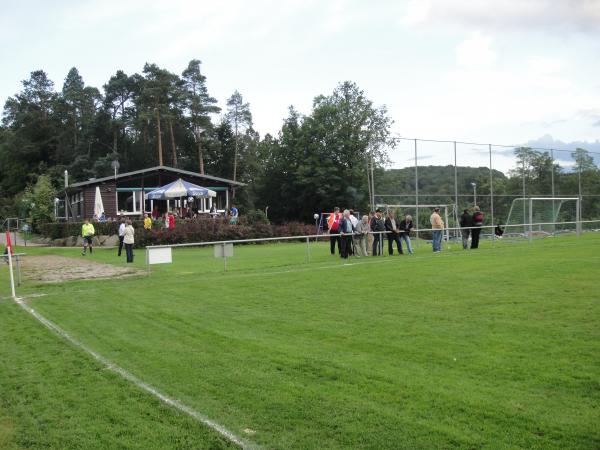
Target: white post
{"x":578,"y":214}
{"x":12,"y":277}
{"x":447,"y":225}
{"x":530,"y":219}
{"x":416,"y":193}
{"x":308,"y":250}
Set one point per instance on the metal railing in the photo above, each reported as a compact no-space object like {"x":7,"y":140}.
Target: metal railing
{"x":490,"y":235}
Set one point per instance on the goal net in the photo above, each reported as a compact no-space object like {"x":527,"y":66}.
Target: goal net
{"x":542,"y":216}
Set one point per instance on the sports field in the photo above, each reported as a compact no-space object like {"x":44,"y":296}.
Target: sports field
{"x":494,"y":348}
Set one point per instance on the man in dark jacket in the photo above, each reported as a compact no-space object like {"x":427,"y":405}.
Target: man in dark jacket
{"x":466,"y":222}
{"x":377,"y":225}
{"x":393,"y":234}
{"x":405,"y":226}
{"x":476,"y":230}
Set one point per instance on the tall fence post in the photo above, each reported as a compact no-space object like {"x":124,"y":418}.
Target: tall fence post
{"x":580,"y":202}
{"x":456,"y":234}
{"x":578,"y":214}
{"x":492,"y":197}
{"x":417,"y":192}
{"x":524,"y":194}
{"x":530,"y":220}
{"x":308,"y":250}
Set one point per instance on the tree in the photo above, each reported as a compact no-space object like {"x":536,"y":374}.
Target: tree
{"x":29,"y":141}
{"x":154,"y":99}
{"x":583,"y":160}
{"x":533,"y":172}
{"x":240,"y":118}
{"x":318,"y":161}
{"x":118,"y":95}
{"x":38,"y":201}
{"x":199,"y":104}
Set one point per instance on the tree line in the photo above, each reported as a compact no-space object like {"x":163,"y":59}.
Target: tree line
{"x":157,"y":117}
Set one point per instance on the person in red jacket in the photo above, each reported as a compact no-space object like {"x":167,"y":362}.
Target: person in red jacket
{"x":477,"y":222}
{"x":333,"y":226}
{"x":171,"y":221}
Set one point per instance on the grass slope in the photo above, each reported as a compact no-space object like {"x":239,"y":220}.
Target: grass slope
{"x":497,"y":348}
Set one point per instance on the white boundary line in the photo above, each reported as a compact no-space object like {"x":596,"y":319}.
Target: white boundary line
{"x":222,"y":430}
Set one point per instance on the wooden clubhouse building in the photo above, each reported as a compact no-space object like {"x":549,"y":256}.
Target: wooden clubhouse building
{"x":124,"y":194}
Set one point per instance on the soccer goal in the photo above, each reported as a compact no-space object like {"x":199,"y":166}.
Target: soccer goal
{"x":418,"y":211}
{"x":543,"y":216}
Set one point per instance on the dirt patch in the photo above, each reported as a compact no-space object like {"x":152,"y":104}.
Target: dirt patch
{"x":59,"y":268}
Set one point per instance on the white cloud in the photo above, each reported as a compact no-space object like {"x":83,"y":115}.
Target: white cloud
{"x":553,"y":15}
{"x":475,"y":51}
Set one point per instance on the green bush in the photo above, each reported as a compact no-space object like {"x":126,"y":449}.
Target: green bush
{"x":202,"y":230}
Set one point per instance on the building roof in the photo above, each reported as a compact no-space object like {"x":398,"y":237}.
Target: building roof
{"x":154,"y":169}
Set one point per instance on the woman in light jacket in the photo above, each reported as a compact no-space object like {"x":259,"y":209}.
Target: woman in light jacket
{"x":361,"y":236}
{"x":128,"y":240}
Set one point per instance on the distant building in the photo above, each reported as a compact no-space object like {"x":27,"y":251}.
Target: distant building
{"x":124,"y":194}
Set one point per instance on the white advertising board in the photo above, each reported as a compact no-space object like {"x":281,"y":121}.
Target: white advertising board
{"x":160,"y":255}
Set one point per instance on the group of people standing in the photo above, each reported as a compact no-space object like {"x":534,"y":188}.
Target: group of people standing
{"x":470,"y":224}
{"x":126,"y":238}
{"x":365,"y":237}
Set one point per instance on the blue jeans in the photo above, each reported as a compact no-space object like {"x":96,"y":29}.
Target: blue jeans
{"x":404,"y":237}
{"x":437,"y":240}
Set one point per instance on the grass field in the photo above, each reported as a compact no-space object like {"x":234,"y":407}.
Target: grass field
{"x":495,"y":348}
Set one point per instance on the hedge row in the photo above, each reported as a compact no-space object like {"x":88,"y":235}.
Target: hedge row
{"x":204,"y":230}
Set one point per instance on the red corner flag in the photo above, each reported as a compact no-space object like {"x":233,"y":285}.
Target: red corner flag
{"x":8,"y":244}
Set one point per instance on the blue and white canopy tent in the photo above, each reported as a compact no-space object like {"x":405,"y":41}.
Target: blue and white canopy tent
{"x":178,"y":189}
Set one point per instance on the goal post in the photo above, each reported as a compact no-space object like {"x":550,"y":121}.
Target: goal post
{"x":543,"y":216}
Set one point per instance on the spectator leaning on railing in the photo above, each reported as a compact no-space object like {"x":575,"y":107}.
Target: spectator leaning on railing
{"x":377,"y":226}
{"x":437,"y":225}
{"x":405,"y":226}
{"x":361,"y":236}
{"x":346,"y":231}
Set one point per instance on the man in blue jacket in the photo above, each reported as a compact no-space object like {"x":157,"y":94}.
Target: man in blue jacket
{"x":346,"y":232}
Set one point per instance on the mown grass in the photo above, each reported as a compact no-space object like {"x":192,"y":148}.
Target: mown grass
{"x":496,"y":348}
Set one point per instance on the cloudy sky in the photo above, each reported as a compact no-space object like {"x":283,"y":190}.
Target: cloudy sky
{"x":503,"y":71}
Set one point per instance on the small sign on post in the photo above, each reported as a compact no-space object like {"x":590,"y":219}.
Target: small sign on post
{"x":161,"y":255}
{"x":223,"y":251}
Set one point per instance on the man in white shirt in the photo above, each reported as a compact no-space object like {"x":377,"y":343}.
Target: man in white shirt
{"x":353,"y":218}
{"x":121,"y":235}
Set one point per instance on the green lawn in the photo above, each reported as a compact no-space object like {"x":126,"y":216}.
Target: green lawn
{"x":495,"y":348}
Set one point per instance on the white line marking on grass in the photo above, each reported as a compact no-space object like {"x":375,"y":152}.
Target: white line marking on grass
{"x":222,"y":430}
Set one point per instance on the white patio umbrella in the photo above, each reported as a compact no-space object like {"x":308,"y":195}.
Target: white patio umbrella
{"x":98,"y":205}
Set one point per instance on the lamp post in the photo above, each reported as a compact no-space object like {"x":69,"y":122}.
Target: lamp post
{"x":474,"y":193}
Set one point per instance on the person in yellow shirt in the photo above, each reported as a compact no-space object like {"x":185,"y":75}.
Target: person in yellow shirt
{"x":147,"y":222}
{"x":87,"y":233}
